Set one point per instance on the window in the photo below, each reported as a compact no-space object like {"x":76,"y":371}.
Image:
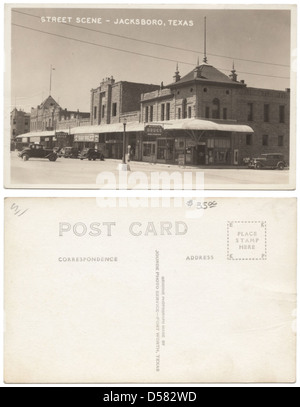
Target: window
{"x":162,"y":112}
{"x":95,"y":112}
{"x":222,"y":143}
{"x":250,"y":112}
{"x":281,"y":114}
{"x":168,"y":111}
{"x":205,"y":90}
{"x":151,"y":113}
{"x":184,"y":111}
{"x":280,"y":141}
{"x":147,"y":114}
{"x":189,"y":112}
{"x":26,"y":122}
{"x":225,"y":113}
{"x":266,"y":113}
{"x":114,"y":109}
{"x":265,"y":140}
{"x":179,"y":113}
{"x":103,"y":110}
{"x":249,"y":139}
{"x":207,"y":112}
{"x":148,"y":149}
{"x":216,"y":109}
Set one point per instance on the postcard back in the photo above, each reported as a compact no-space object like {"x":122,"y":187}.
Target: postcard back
{"x":181,"y":292}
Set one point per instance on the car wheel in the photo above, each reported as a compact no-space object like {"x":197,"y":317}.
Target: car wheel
{"x":258,"y":166}
{"x":280,"y":166}
{"x":52,"y":158}
{"x":25,"y":157}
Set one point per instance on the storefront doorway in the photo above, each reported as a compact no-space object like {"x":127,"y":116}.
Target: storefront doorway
{"x":200,"y":154}
{"x":165,"y":150}
{"x":149,"y":151}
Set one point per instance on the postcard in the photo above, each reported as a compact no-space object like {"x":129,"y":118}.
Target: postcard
{"x":150,"y":291}
{"x":142,"y":92}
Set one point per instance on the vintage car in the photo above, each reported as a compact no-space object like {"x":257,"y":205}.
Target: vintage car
{"x":70,"y":152}
{"x":91,"y":154}
{"x":270,"y":160}
{"x":37,"y":151}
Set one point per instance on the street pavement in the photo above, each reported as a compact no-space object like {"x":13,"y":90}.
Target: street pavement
{"x":41,"y":173}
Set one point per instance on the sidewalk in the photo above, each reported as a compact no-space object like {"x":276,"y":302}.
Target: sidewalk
{"x":191,"y":167}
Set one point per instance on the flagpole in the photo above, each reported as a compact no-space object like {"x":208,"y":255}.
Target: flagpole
{"x":205,"y":57}
{"x":50,"y":79}
{"x":51,"y":69}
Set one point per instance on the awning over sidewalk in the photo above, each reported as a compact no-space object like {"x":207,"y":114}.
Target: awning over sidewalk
{"x":198,"y":124}
{"x":37,"y":134}
{"x":108,"y":128}
{"x":184,"y":124}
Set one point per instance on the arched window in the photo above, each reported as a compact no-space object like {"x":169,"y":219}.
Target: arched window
{"x":216,"y":109}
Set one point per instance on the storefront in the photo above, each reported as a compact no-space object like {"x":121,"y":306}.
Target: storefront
{"x":82,"y":141}
{"x":63,"y":139}
{"x":46,"y":138}
{"x":193,"y":142}
{"x":109,"y":138}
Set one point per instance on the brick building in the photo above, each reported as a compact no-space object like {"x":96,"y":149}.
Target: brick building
{"x":50,"y":124}
{"x":19,"y":123}
{"x":49,"y":115}
{"x":210,"y":118}
{"x":203,"y":118}
{"x":112,"y":104}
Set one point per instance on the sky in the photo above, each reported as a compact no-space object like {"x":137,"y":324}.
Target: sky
{"x":82,"y":54}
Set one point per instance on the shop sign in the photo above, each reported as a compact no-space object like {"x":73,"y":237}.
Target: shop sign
{"x":154,"y":130}
{"x":61,"y":134}
{"x":94,"y":138}
{"x":191,"y":143}
{"x":35,"y":139}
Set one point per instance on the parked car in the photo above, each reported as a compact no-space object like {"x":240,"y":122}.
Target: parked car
{"x":37,"y":151}
{"x":91,"y":154}
{"x":270,"y":160}
{"x":70,"y":152}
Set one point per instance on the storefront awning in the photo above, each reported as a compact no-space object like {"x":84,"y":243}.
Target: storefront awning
{"x":37,"y":134}
{"x":198,"y":124}
{"x":108,"y":128}
{"x":184,"y":124}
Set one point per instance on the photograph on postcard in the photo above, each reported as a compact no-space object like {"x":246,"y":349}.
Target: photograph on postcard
{"x":146,"y":97}
{"x":151,"y":290}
